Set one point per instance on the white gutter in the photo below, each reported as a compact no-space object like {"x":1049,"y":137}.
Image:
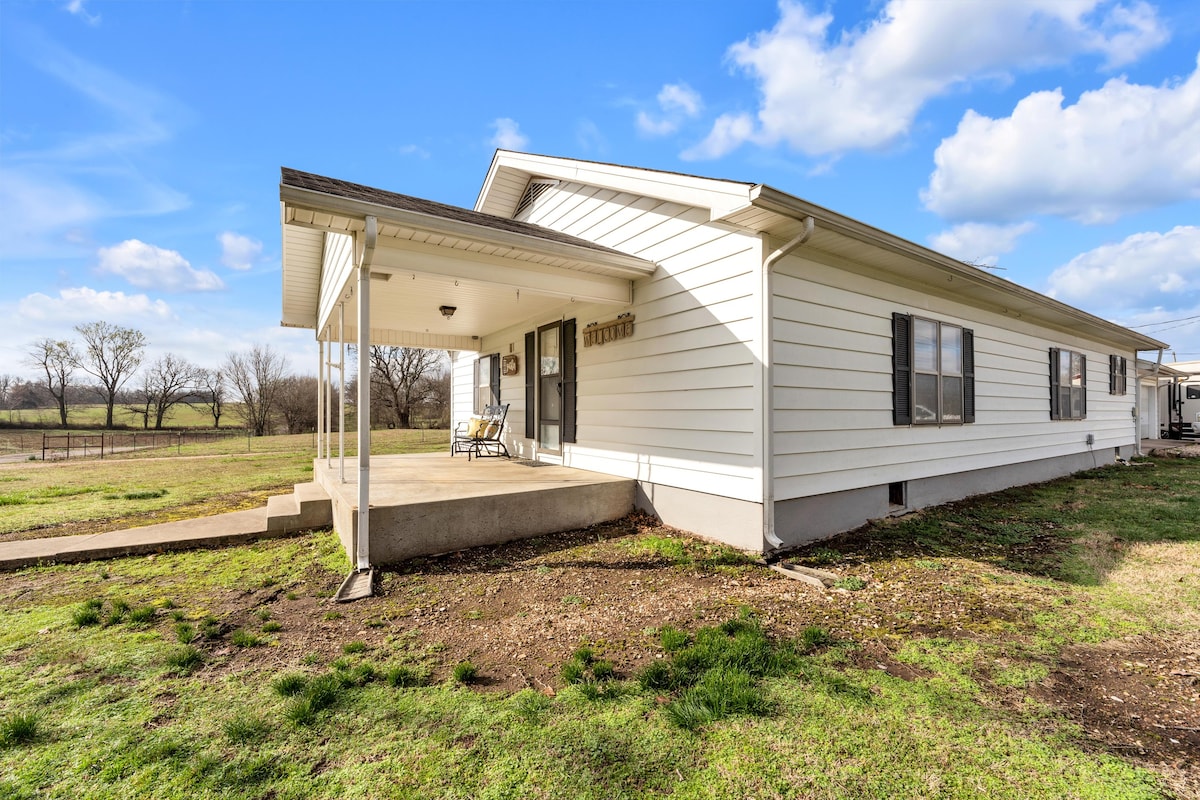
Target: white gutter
{"x":363,"y":561}
{"x":768,"y":381}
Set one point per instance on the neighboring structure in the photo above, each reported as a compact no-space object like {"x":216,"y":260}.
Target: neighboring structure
{"x":769,"y":371}
{"x":1172,"y":393}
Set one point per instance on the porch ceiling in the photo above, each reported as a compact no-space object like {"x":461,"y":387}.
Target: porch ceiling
{"x":495,"y":272}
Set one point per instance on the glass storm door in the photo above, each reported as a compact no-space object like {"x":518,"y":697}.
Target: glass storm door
{"x":549,"y":390}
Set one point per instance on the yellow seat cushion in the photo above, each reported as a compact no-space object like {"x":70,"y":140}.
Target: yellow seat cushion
{"x":476,"y":426}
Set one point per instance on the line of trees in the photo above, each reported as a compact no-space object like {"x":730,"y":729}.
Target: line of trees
{"x":255,"y":385}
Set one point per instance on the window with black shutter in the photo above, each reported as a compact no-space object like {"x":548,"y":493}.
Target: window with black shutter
{"x":1118,"y":375}
{"x":933,"y":372}
{"x":1068,"y":384}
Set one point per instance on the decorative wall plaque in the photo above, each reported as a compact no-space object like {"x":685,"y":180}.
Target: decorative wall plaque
{"x":603,"y":332}
{"x":510,"y":365}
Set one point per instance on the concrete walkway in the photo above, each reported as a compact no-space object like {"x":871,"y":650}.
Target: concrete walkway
{"x":214,"y":531}
{"x":307,"y":508}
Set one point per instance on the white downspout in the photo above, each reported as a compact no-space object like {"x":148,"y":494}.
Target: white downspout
{"x":768,"y":381}
{"x":364,"y":395}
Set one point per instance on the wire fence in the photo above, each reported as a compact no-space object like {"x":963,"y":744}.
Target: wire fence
{"x":59,"y":446}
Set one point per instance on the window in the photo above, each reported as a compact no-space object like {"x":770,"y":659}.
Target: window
{"x":1193,"y":392}
{"x":933,"y":372}
{"x":487,"y":382}
{"x":1118,"y":377}
{"x":1068,"y":384}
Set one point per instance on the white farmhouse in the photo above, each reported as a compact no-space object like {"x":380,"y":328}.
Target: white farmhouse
{"x":768,"y":371}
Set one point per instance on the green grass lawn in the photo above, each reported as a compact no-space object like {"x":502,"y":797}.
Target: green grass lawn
{"x":192,"y":480}
{"x":204,"y":675}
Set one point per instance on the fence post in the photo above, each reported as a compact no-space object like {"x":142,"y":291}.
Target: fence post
{"x":43,"y":447}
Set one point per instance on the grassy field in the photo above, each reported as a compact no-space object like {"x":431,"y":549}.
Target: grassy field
{"x":657,"y":666}
{"x":56,"y":498}
{"x":93,"y":416}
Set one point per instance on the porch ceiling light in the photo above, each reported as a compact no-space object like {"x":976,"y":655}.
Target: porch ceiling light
{"x":447,"y":311}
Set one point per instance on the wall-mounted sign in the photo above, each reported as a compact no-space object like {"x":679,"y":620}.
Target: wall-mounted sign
{"x":510,"y":365}
{"x":602,"y":332}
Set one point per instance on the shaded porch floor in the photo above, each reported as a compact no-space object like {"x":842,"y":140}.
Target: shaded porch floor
{"x":430,"y":503}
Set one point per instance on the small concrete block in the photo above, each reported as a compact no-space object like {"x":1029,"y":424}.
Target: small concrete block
{"x":816,"y":577}
{"x":358,"y":584}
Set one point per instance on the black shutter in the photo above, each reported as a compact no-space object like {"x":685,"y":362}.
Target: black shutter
{"x":530,"y":384}
{"x":901,"y":369}
{"x":568,"y":380}
{"x":1083,"y":390}
{"x":1112,"y":374}
{"x":1055,"y":411}
{"x":495,"y":380}
{"x":968,"y":375}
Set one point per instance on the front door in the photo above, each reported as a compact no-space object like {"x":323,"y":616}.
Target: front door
{"x":549,"y":388}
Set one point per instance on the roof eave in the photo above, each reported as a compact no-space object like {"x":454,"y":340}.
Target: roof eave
{"x":323,"y":202}
{"x":770,"y":199}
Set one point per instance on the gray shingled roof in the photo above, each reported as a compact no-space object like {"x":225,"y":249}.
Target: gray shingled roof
{"x":366,"y":194}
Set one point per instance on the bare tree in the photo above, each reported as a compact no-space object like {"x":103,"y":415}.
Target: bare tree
{"x":165,"y":384}
{"x":298,"y":403}
{"x":111,"y":354}
{"x":398,"y":374}
{"x":254,"y":379}
{"x":212,"y":393}
{"x":437,"y":396}
{"x":58,"y":360}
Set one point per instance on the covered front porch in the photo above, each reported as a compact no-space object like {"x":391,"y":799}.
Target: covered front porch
{"x":364,"y":267}
{"x":429,"y":503}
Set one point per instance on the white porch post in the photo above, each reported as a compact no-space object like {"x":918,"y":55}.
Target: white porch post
{"x":341,"y":389}
{"x":320,"y":394}
{"x":364,"y":396}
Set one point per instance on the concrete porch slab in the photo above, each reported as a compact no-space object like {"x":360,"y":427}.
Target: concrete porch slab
{"x":430,"y":503}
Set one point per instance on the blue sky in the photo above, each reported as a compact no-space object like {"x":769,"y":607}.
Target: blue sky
{"x":140,"y":142}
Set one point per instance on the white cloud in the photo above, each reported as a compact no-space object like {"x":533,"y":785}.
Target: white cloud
{"x":76,"y":8}
{"x":239,"y":252}
{"x":83,"y":304}
{"x":147,"y":266}
{"x":978,"y":243}
{"x":1145,"y":270}
{"x":508,"y":135}
{"x":1121,"y":148}
{"x":825,"y":91}
{"x":676,"y":102}
{"x":728,"y":133}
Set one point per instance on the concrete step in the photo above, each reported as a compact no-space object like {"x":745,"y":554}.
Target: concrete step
{"x":307,"y":507}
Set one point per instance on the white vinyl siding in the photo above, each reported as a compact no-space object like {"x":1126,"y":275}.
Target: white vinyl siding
{"x":337,"y":267}
{"x":833,"y":387}
{"x":677,"y":403}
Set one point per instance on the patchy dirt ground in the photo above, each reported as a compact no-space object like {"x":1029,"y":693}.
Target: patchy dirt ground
{"x":519,"y":611}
